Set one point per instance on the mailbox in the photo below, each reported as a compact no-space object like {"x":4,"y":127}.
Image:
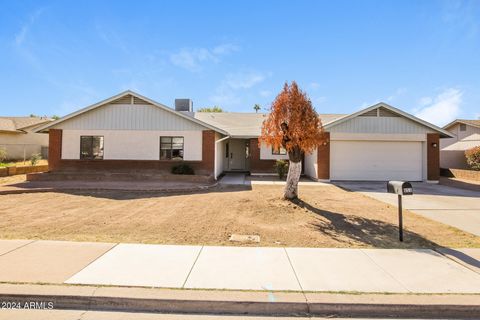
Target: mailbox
{"x":400,"y":187}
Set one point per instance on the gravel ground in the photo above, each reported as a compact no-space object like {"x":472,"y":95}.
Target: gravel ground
{"x":327,"y":217}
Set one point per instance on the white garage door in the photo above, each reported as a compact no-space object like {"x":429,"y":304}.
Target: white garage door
{"x":376,"y":160}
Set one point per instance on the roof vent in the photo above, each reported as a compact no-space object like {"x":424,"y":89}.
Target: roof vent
{"x":184,"y":105}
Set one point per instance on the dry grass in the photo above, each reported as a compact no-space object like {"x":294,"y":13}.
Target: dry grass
{"x":328,"y":217}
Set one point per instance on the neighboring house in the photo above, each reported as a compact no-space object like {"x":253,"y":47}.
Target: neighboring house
{"x":466,"y":135}
{"x":18,"y":138}
{"x":129,"y":132}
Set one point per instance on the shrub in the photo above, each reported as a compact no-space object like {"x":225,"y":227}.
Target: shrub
{"x":35,"y":158}
{"x":281,"y":166}
{"x":473,"y":157}
{"x":3,"y":155}
{"x":182,"y":169}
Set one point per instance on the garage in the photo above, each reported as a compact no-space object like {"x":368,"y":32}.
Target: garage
{"x":376,"y":160}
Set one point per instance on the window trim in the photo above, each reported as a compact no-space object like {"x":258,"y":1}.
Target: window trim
{"x":171,"y":148}
{"x":103,"y":147}
{"x":279,"y":152}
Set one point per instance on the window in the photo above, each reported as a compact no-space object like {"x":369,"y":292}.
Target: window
{"x":171,"y":148}
{"x":227,"y":150}
{"x":463,"y":127}
{"x":280,"y":151}
{"x":91,"y":147}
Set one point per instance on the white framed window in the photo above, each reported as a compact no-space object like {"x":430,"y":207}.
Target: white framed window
{"x":171,"y":148}
{"x":280,"y":151}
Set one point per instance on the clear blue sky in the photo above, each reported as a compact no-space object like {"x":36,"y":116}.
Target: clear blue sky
{"x":420,"y":56}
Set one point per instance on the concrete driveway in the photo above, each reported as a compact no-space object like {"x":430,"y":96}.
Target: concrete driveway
{"x":453,"y":206}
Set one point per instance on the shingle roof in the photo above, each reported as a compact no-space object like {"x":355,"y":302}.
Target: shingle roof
{"x":239,"y":124}
{"x":15,"y":124}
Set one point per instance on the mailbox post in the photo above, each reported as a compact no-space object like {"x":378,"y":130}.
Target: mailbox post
{"x":401,"y":188}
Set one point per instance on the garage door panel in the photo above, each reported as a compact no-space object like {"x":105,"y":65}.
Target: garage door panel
{"x":376,"y":160}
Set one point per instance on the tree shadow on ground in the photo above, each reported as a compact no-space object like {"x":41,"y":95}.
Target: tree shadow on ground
{"x":361,"y":231}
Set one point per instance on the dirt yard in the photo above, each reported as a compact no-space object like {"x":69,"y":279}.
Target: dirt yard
{"x":328,"y":217}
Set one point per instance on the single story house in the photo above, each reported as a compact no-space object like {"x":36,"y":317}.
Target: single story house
{"x":19,"y":139}
{"x":130,"y":132}
{"x":466,"y":135}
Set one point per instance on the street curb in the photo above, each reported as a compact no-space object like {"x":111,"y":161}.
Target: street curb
{"x":325,"y":309}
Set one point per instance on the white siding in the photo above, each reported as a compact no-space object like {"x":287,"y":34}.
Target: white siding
{"x":266,"y":153}
{"x":132,"y":144}
{"x":380,"y":125}
{"x":311,"y":165}
{"x":467,"y":134}
{"x":129,"y":117}
{"x":452,"y":150}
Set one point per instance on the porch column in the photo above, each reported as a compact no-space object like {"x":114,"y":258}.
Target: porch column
{"x":323,"y":159}
{"x":54,"y":149}
{"x":208,"y":151}
{"x":433,"y":156}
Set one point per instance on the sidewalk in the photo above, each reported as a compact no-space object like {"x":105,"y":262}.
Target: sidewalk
{"x":249,"y":180}
{"x":240,"y":268}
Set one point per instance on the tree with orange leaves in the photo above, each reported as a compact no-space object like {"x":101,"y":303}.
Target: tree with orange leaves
{"x":294,"y":125}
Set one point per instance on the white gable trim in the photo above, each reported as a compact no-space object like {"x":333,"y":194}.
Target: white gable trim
{"x":118,"y":96}
{"x":335,"y":122}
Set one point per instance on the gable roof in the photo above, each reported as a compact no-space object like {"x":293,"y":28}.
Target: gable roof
{"x":473,"y":123}
{"x":119,"y":97}
{"x":443,"y":133}
{"x":244,"y":125}
{"x":20,"y":124}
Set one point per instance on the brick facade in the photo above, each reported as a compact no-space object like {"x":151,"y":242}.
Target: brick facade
{"x":257,"y":165}
{"x":323,"y":159}
{"x":433,"y":156}
{"x":54,"y":149}
{"x":208,"y":151}
{"x":204,"y":167}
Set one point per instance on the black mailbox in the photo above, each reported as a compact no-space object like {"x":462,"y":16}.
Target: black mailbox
{"x":400,"y":187}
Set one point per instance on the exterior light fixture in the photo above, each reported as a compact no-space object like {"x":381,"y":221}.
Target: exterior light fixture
{"x":434,"y":144}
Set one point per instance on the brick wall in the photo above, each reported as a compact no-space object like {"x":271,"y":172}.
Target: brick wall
{"x":54,"y":149}
{"x":257,"y":165}
{"x":208,"y":152}
{"x":323,"y":159}
{"x":433,"y":156}
{"x":204,"y":167}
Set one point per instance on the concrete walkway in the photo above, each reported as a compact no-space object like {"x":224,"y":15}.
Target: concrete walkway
{"x":243,"y":179}
{"x":240,"y":268}
{"x":453,"y":206}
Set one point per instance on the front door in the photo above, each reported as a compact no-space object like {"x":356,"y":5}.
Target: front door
{"x":237,"y":156}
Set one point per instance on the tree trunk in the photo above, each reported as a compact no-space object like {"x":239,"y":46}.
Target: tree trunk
{"x":291,"y":188}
